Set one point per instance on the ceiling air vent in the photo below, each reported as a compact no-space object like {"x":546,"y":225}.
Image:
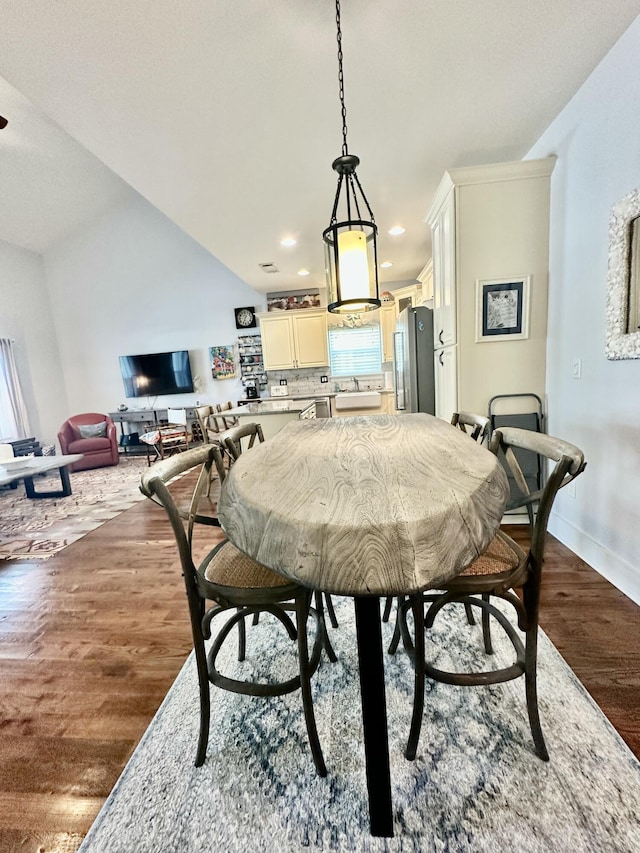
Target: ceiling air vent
{"x":268,"y":268}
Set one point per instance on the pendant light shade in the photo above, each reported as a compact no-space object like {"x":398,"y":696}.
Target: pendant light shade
{"x":351,"y":252}
{"x":350,"y":261}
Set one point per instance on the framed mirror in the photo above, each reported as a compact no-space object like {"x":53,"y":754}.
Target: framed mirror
{"x":623,"y":298}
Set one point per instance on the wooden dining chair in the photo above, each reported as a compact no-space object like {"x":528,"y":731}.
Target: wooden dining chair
{"x":247,"y":434}
{"x":203,"y":413}
{"x":498,"y":572}
{"x":170,"y":437}
{"x":237,"y":438}
{"x":476,"y":427}
{"x":228,"y":584}
{"x":227,"y":421}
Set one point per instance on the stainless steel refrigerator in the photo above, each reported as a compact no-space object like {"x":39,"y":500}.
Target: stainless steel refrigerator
{"x":413,"y":376}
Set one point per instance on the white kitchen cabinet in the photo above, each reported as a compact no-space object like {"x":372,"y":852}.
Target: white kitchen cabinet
{"x":425,"y":277}
{"x":409,"y":296}
{"x":445,"y":367}
{"x":444,"y":273}
{"x":389,"y":404}
{"x":388,"y":315}
{"x":488,"y":223}
{"x":294,"y":340}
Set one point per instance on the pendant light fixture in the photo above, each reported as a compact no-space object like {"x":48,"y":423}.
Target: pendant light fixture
{"x":351,"y":253}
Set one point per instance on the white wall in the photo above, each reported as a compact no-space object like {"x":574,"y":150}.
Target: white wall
{"x":133,"y":282}
{"x":597,"y":141}
{"x":502,"y":231}
{"x":25,"y":316}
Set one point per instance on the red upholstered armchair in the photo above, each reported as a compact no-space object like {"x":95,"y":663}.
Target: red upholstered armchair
{"x":92,"y":434}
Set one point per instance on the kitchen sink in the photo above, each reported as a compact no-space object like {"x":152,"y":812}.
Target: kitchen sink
{"x":357,"y":400}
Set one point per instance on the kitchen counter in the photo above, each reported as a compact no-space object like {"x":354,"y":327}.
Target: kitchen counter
{"x":273,"y":415}
{"x":272,"y":406}
{"x":321,"y":394}
{"x":308,"y":396}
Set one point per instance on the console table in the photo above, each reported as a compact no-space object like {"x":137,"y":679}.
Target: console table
{"x":147,"y":419}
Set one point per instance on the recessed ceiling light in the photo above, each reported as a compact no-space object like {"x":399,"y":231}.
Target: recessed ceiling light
{"x":288,"y":241}
{"x":386,"y":264}
{"x":396,"y":230}
{"x":303,"y":272}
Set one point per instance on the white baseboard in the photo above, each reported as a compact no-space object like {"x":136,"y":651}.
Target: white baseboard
{"x":515,"y":518}
{"x":617,"y":571}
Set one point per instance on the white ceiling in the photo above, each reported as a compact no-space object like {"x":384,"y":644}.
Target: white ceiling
{"x":225,"y":115}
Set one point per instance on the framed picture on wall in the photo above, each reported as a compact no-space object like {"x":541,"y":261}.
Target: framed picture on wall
{"x":502,"y":309}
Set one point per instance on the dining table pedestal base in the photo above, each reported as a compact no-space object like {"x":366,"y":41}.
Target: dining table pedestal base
{"x":374,"y":714}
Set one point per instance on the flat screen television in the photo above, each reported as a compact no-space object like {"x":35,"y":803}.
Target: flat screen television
{"x":156,"y":373}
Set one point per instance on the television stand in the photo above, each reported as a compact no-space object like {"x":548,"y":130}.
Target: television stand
{"x":144,"y":420}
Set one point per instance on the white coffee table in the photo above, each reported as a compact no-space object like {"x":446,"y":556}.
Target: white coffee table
{"x":26,"y":467}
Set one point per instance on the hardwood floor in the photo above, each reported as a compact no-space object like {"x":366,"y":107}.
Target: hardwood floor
{"x":91,"y":640}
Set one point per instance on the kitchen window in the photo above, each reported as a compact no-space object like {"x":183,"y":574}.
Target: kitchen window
{"x":354,"y":351}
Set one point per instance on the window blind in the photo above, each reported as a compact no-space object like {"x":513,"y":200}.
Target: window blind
{"x":354,"y":351}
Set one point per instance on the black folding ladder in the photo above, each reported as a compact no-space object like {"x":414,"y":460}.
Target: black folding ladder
{"x":529,"y":462}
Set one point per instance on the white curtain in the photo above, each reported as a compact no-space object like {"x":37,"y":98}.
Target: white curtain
{"x":14,"y":420}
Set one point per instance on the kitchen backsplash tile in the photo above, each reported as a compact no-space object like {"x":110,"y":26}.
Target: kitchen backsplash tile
{"x":308,"y":382}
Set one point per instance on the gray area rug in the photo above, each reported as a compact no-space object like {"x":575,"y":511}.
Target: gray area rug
{"x":476,"y":784}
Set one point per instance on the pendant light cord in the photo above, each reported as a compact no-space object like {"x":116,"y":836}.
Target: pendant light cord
{"x":345,"y":150}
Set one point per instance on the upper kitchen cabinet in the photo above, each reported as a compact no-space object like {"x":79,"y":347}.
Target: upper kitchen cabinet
{"x":408,"y":297}
{"x":489,"y":224}
{"x":425,"y":277}
{"x":388,"y":315}
{"x":294,"y":340}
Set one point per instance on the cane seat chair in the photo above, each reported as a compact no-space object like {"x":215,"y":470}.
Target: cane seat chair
{"x":232,"y":439}
{"x":227,"y":421}
{"x":209,"y":428}
{"x":500,"y":570}
{"x":211,"y":423}
{"x":477,"y":427}
{"x":227,"y":583}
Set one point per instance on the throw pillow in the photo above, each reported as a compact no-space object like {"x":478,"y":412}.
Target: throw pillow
{"x":92,"y":430}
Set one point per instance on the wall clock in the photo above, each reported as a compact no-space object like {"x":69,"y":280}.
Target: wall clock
{"x":245,"y":318}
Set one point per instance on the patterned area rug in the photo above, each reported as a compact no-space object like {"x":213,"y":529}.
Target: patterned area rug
{"x":38,"y":529}
{"x":476,"y":784}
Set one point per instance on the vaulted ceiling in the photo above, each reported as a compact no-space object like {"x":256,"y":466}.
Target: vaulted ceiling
{"x":225,"y":115}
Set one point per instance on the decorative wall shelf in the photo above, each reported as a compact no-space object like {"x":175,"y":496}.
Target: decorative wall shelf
{"x":252,"y":372}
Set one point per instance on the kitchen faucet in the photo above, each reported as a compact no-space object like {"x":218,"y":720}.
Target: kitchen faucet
{"x":356,"y":383}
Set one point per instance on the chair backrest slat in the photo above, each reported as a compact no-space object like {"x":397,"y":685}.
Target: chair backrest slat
{"x":154,"y":484}
{"x":232,"y":438}
{"x":569,"y":463}
{"x":474,"y":425}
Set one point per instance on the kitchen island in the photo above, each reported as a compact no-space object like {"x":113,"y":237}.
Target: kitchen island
{"x":273,"y":415}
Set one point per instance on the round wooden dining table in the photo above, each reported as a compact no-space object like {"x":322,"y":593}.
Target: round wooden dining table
{"x":366,"y":507}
